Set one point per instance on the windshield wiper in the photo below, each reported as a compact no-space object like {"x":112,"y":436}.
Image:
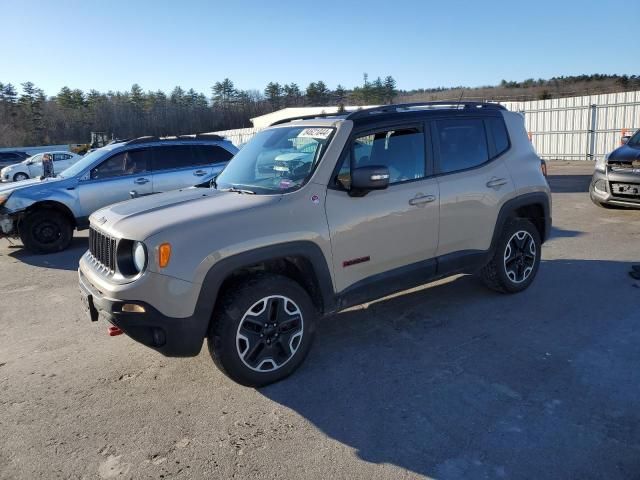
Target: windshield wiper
{"x":238,"y":190}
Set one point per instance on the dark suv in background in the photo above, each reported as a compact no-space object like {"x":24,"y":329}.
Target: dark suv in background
{"x":10,"y":157}
{"x":616,"y":179}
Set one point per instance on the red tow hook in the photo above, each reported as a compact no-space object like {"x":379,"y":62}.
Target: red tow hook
{"x":114,"y":331}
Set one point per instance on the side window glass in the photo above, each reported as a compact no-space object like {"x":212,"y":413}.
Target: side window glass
{"x":500,"y":136}
{"x":172,"y":157}
{"x":210,"y":154}
{"x":463,"y":144}
{"x":400,"y":150}
{"x":132,"y":162}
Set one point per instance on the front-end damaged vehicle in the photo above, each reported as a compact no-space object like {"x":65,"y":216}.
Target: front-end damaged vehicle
{"x":43,"y":212}
{"x":313,"y":216}
{"x":616,"y":179}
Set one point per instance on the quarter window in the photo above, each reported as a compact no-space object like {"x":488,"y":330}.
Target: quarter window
{"x":125,"y":163}
{"x":400,"y":150}
{"x":462,"y":144}
{"x":500,"y":136}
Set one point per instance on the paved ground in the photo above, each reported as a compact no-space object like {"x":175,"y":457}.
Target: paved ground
{"x":448,"y":382}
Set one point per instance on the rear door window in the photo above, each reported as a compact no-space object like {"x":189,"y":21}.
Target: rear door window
{"x":210,"y":154}
{"x":461,"y":144}
{"x":173,"y":157}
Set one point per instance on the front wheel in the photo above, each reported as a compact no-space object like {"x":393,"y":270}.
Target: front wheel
{"x":18,"y":177}
{"x":516,"y":260}
{"x":46,"y":231}
{"x":262,"y":330}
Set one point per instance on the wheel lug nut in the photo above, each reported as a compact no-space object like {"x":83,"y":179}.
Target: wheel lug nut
{"x":261,"y":335}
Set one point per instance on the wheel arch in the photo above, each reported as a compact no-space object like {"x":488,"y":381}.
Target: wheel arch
{"x":302,"y":261}
{"x":533,"y":206}
{"x":52,"y":205}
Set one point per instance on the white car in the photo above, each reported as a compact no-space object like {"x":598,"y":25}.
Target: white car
{"x":32,"y":166}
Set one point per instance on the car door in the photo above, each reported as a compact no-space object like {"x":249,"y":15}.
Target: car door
{"x":474,"y":183}
{"x":177,"y":166}
{"x":385,"y":230}
{"x":115,"y":179}
{"x":34,"y":167}
{"x":212,"y":155}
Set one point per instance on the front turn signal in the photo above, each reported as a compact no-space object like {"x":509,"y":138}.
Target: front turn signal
{"x":164,"y":255}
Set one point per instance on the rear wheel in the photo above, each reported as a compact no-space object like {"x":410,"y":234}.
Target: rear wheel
{"x":46,"y":231}
{"x":516,"y":259}
{"x":262,"y":330}
{"x":20,"y":176}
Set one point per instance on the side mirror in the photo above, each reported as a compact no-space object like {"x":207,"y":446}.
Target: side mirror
{"x":365,"y":179}
{"x":30,"y":162}
{"x":625,"y":139}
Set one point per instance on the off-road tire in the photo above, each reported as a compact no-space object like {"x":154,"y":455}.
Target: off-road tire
{"x":46,"y":231}
{"x":494,"y":274}
{"x":235,"y":306}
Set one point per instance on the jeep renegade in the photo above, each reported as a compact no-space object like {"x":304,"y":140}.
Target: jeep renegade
{"x":313,"y":216}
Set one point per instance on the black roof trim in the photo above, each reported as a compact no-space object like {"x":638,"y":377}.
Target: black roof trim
{"x":401,"y":107}
{"x":181,"y":138}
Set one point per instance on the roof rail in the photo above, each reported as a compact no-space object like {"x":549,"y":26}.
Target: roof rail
{"x":197,"y":136}
{"x":398,"y":107}
{"x":309,"y":117}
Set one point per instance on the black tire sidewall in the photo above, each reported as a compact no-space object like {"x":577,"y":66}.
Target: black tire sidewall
{"x":513,"y":226}
{"x":232,"y":307}
{"x":23,"y":176}
{"x":32,"y":220}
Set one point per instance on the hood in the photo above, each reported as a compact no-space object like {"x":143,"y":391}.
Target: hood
{"x":140,"y":218}
{"x":31,"y":185}
{"x":624,"y":154}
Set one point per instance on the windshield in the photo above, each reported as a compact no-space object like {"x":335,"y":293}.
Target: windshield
{"x":635,"y":140}
{"x":83,"y":163}
{"x":278,"y":160}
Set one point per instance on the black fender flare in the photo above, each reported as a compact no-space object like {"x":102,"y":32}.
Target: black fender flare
{"x":510,"y":206}
{"x":221,"y":270}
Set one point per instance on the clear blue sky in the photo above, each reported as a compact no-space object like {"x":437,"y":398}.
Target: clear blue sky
{"x":109,"y":45}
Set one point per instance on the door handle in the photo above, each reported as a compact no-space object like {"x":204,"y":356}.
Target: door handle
{"x":496,"y":182}
{"x":422,"y":199}
{"x":199,"y":173}
{"x":141,"y":181}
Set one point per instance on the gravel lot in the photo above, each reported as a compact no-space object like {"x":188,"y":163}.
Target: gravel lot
{"x":450,"y":381}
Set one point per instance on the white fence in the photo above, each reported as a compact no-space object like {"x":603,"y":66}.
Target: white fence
{"x":571,"y":128}
{"x":579,"y":128}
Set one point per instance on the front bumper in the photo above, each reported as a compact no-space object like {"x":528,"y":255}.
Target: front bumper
{"x":171,"y":336}
{"x":602,"y":188}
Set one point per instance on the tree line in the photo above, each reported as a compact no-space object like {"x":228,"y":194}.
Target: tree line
{"x":29,"y":117}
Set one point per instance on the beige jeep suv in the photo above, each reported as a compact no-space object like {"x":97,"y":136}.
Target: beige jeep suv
{"x":313,"y":216}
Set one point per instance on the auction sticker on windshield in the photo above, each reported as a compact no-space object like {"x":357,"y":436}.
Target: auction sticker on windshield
{"x":322,"y":133}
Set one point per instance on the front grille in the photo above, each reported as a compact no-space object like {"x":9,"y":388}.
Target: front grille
{"x":103,"y":249}
{"x":633,"y":193}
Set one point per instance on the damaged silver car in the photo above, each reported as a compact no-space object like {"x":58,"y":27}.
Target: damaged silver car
{"x":44,"y":212}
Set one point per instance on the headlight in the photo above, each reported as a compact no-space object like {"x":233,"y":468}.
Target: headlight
{"x":601,"y":163}
{"x":139,"y":254}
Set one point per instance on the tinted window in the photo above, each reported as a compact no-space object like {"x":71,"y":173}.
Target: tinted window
{"x":170,"y":157}
{"x":400,"y":150}
{"x":132,"y":162}
{"x":462,"y":144}
{"x":499,"y":131}
{"x":209,"y":154}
